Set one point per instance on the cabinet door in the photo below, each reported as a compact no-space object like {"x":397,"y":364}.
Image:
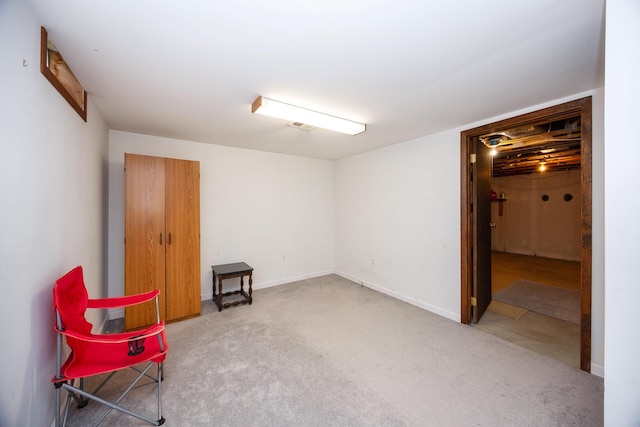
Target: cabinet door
{"x":144,"y":225}
{"x":182,"y":184}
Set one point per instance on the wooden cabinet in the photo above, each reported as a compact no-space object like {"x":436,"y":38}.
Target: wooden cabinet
{"x":162,"y":237}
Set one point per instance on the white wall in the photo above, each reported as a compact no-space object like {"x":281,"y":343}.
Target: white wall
{"x":531,"y":226}
{"x":399,"y":207}
{"x":53,"y":175}
{"x":622,"y":204}
{"x":273,"y":211}
{"x":398,"y":221}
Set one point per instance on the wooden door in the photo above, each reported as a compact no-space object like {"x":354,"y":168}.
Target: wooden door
{"x":481,"y":287}
{"x":182,"y":184}
{"x":468,"y":245}
{"x":144,"y":223}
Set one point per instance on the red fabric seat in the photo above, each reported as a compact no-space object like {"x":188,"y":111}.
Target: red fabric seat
{"x":93,"y":354}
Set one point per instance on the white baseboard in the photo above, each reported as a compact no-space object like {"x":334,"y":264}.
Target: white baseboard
{"x":116,"y":313}
{"x":597,"y":370}
{"x":209,"y":295}
{"x":409,"y":300}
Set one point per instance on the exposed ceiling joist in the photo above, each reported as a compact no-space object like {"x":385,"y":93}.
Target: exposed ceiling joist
{"x":555,"y":145}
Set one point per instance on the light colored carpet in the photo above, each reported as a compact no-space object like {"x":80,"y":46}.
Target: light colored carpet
{"x":551,"y":301}
{"x":328,"y":352}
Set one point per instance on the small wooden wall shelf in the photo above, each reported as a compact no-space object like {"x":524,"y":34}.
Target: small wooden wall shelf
{"x":57,"y":71}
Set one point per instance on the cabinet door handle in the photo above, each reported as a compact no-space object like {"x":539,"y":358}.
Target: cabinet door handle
{"x":160,"y":238}
{"x":169,"y":239}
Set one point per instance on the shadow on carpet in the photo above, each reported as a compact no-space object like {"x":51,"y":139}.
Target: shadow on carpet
{"x":552,"y":301}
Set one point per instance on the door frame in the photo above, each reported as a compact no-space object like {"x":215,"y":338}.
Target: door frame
{"x":582,"y":107}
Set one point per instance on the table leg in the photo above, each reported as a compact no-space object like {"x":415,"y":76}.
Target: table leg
{"x":250,"y":287}
{"x":219,"y":294}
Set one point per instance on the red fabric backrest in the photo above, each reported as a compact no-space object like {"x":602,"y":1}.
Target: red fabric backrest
{"x":70,"y":299}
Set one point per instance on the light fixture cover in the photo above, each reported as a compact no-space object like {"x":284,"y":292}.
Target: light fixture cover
{"x":281,"y":110}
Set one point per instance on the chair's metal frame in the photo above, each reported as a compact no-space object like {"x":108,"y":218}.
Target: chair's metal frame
{"x":78,"y":394}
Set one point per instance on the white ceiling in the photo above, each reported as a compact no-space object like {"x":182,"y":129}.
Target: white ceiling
{"x":407,"y":68}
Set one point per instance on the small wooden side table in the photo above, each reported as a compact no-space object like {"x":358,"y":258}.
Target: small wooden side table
{"x":228,"y":271}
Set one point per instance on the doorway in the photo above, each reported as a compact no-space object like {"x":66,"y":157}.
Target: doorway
{"x":476,"y":165}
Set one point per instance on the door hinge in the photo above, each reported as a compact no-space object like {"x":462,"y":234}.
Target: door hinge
{"x":472,"y":158}
{"x":474,"y":302}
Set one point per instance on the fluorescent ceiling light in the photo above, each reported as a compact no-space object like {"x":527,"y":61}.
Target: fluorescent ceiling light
{"x":269,"y":107}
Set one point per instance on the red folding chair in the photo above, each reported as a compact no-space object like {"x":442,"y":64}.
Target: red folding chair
{"x":95,"y":354}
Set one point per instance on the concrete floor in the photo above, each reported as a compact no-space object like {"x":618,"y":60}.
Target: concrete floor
{"x":545,"y":335}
